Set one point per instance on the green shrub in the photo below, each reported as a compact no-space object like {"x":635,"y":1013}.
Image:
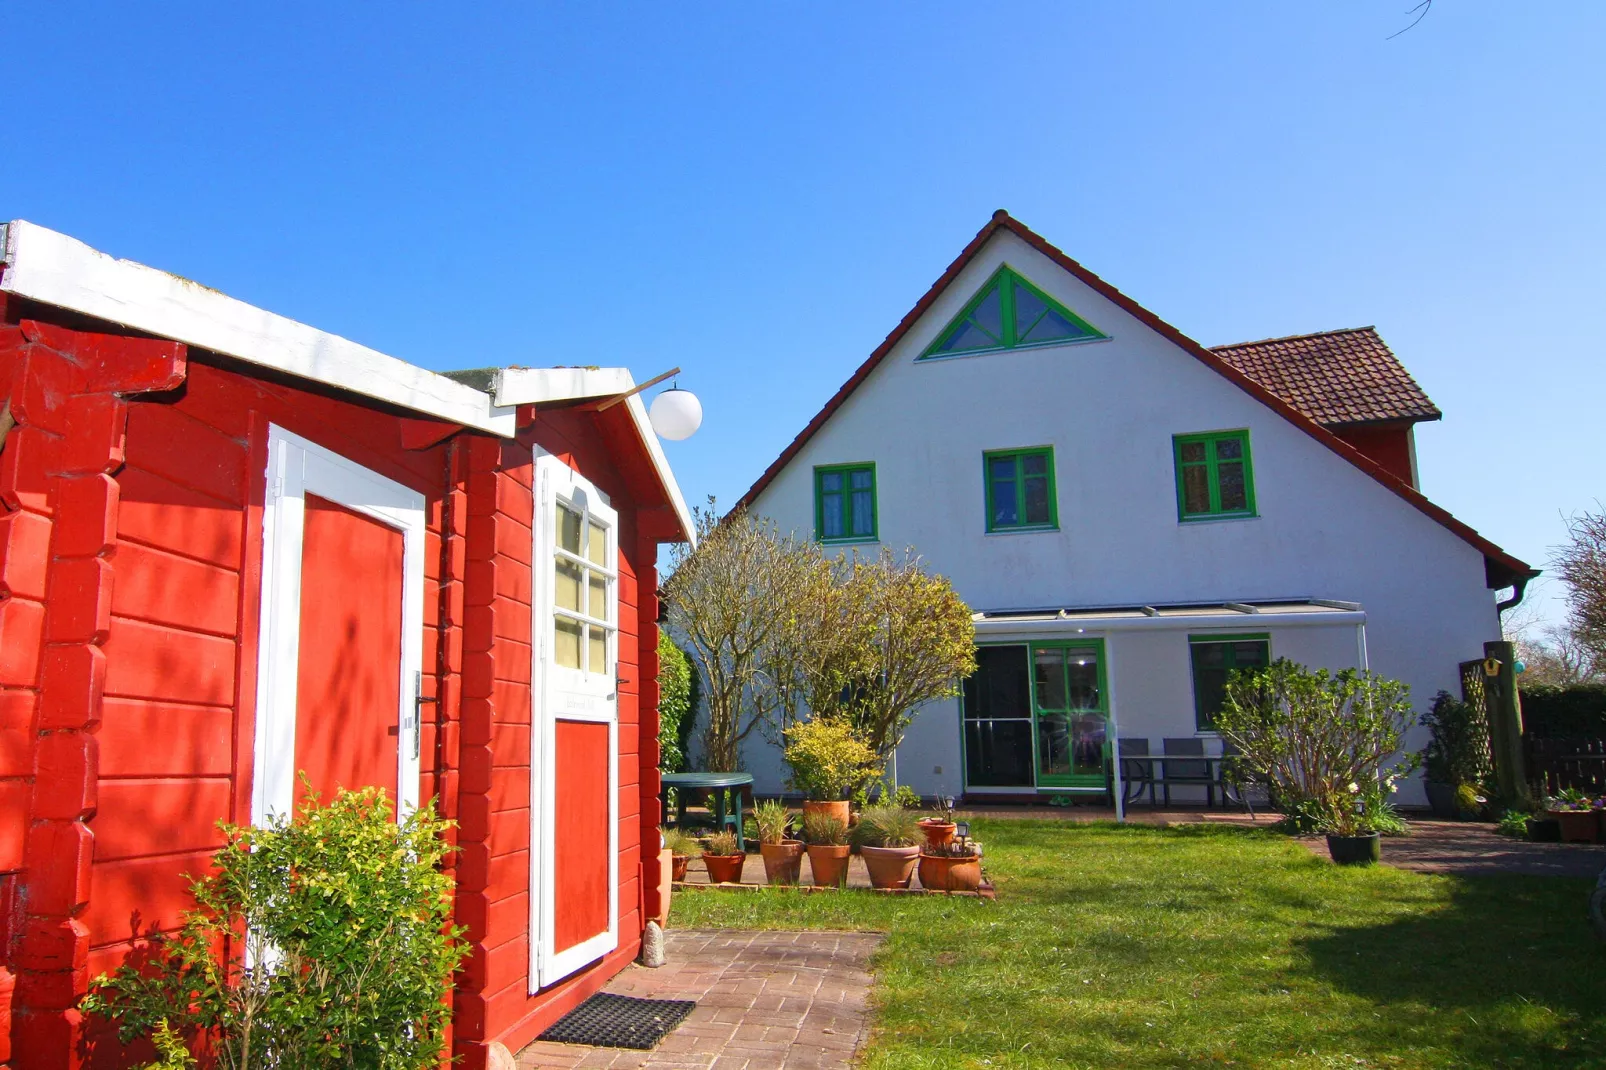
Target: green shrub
{"x":1574,"y":712}
{"x":887,"y":826}
{"x":1459,"y":751}
{"x":676,"y":706}
{"x":824,"y":829}
{"x":827,"y":758}
{"x":348,"y":955}
{"x":1514,"y":823}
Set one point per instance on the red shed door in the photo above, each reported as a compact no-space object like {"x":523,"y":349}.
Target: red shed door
{"x":575,"y":745}
{"x":341,"y":636}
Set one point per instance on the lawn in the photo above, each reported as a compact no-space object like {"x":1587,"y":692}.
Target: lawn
{"x":1133,"y":946}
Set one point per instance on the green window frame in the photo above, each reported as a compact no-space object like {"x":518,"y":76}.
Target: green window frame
{"x":1213,"y":658}
{"x":1008,"y":312}
{"x":1215,"y":475}
{"x":1044,"y":708}
{"x":845,"y":500}
{"x":1020,"y":491}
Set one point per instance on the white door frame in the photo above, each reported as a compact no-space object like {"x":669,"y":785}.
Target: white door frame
{"x":298,"y":467}
{"x":570,"y":695}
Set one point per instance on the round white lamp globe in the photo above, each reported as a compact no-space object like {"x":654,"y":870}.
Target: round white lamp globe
{"x":676,"y":414}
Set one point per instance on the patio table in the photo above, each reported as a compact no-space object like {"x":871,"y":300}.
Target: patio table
{"x":1148,"y":771}
{"x":729,"y":791}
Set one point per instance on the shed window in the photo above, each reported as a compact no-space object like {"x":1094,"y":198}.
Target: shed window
{"x":1214,"y":475}
{"x":1215,"y":658}
{"x":583,"y":615}
{"x":844,"y":503}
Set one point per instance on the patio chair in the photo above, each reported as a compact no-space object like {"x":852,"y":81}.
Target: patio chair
{"x":1245,"y":786}
{"x":1185,"y":773}
{"x":1136,"y":770}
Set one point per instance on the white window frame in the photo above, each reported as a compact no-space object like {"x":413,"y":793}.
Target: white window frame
{"x":570,"y":695}
{"x":298,"y":467}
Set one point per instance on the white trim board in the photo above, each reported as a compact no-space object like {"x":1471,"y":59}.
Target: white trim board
{"x":54,"y":269}
{"x":298,"y":467}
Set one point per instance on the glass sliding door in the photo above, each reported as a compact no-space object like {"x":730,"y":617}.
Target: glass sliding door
{"x":1071,"y":712}
{"x":998,"y":719}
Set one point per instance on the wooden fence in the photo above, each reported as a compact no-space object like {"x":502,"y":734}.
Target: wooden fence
{"x":1554,"y":764}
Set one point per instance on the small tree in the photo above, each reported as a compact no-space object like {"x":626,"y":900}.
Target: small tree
{"x":827,"y":758}
{"x":1582,"y":566}
{"x":1320,"y":740}
{"x":348,"y":948}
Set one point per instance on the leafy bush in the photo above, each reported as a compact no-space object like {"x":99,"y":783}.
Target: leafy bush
{"x":824,"y":829}
{"x":772,"y":819}
{"x":1574,"y":712}
{"x":348,"y":951}
{"x":827,"y":758}
{"x":722,"y":844}
{"x":1320,"y":740}
{"x":1459,"y":751}
{"x":887,"y":826}
{"x":676,"y":688}
{"x":1514,"y":823}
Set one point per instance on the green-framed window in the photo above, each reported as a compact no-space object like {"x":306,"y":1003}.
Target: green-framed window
{"x":1010,"y":313}
{"x":1214,"y":658}
{"x":1020,"y":489}
{"x":844,"y":503}
{"x":1215,"y":477}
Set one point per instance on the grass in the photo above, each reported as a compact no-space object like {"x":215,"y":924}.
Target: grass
{"x":1132,"y":946}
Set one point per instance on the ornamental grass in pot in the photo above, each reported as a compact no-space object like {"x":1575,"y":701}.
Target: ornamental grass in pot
{"x":888,"y":838}
{"x":723,"y":856}
{"x":828,"y":849}
{"x":682,"y":847}
{"x":954,"y":866}
{"x":828,"y":760}
{"x":783,"y":856}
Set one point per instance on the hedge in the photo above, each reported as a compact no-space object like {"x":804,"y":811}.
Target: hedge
{"x":1574,"y":712}
{"x":677,"y":699}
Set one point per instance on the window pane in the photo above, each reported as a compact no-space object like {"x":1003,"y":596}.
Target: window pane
{"x":989,"y":315}
{"x":1195,"y":489}
{"x":999,"y":686}
{"x":597,"y":544}
{"x":999,"y":753}
{"x":566,"y":589}
{"x":1193,"y":451}
{"x":568,"y":529}
{"x":566,"y":642}
{"x":968,"y":336}
{"x":1082,"y":675}
{"x":596,"y":650}
{"x":1234,"y":495}
{"x":1034,"y":464}
{"x":1209,"y":681}
{"x":1255,"y":654}
{"x":1049,"y":671}
{"x":1053,"y":745}
{"x":1052,"y":326}
{"x":863,"y":510}
{"x":1037,"y":500}
{"x":598,"y":586}
{"x":1087,"y":745}
{"x":862,"y":478}
{"x":1028,"y":307}
{"x":831,"y":516}
{"x":1003,"y":504}
{"x":830,"y":482}
{"x":1229,"y":449}
{"x":1002,"y":467}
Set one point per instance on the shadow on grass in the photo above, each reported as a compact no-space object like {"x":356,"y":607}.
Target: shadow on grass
{"x":1507,"y":968}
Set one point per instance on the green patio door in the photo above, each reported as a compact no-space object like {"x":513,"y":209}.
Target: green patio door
{"x":1071,"y":709}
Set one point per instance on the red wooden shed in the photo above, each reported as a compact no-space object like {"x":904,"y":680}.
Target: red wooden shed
{"x":233,"y":547}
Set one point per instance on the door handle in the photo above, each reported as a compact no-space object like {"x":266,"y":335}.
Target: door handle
{"x":419,"y":698}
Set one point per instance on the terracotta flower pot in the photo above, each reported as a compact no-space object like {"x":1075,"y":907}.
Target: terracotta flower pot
{"x":890,"y":867}
{"x":666,"y":887}
{"x":828,"y":864}
{"x":1577,"y":826}
{"x":937,"y":832}
{"x":840,"y":809}
{"x":941,"y":873}
{"x":782,"y":861}
{"x":678,"y":865}
{"x":725,"y":869}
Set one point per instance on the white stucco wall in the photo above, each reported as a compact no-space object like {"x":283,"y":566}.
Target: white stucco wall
{"x":1325,"y":529}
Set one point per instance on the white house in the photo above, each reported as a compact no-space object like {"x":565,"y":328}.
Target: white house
{"x":1130,"y":515}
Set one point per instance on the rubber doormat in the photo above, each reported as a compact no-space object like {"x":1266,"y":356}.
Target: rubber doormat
{"x":609,"y":1021}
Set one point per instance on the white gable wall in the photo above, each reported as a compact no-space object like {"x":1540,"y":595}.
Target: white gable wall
{"x":1109,"y":409}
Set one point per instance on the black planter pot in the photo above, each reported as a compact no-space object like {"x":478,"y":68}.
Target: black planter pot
{"x":1544,"y":830}
{"x":1441,"y":797}
{"x":1355,"y":850}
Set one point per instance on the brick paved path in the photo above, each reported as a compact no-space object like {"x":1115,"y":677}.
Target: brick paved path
{"x":765,"y":1001}
{"x":1474,"y":847}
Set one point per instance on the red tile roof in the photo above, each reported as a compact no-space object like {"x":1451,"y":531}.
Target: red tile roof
{"x":1501,"y":569}
{"x":1334,"y":377}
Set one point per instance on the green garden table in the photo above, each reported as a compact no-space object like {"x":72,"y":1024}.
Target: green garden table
{"x":729,"y":791}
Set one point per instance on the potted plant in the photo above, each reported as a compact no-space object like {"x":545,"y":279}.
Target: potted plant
{"x":828,"y":760}
{"x":827,"y":837}
{"x":1457,"y":754}
{"x":723,"y":856}
{"x":940,"y":829}
{"x":1572,"y":810}
{"x":953,"y":866}
{"x":681,"y":846}
{"x":783,"y":857}
{"x":888,"y":838}
{"x":1351,"y":838}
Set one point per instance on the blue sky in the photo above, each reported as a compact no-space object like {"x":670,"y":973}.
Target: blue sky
{"x":758,"y":192}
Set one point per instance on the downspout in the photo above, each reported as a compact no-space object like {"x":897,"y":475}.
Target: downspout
{"x":1518,"y":588}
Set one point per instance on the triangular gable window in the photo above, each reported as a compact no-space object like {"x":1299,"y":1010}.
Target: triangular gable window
{"x":1009,"y":313}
